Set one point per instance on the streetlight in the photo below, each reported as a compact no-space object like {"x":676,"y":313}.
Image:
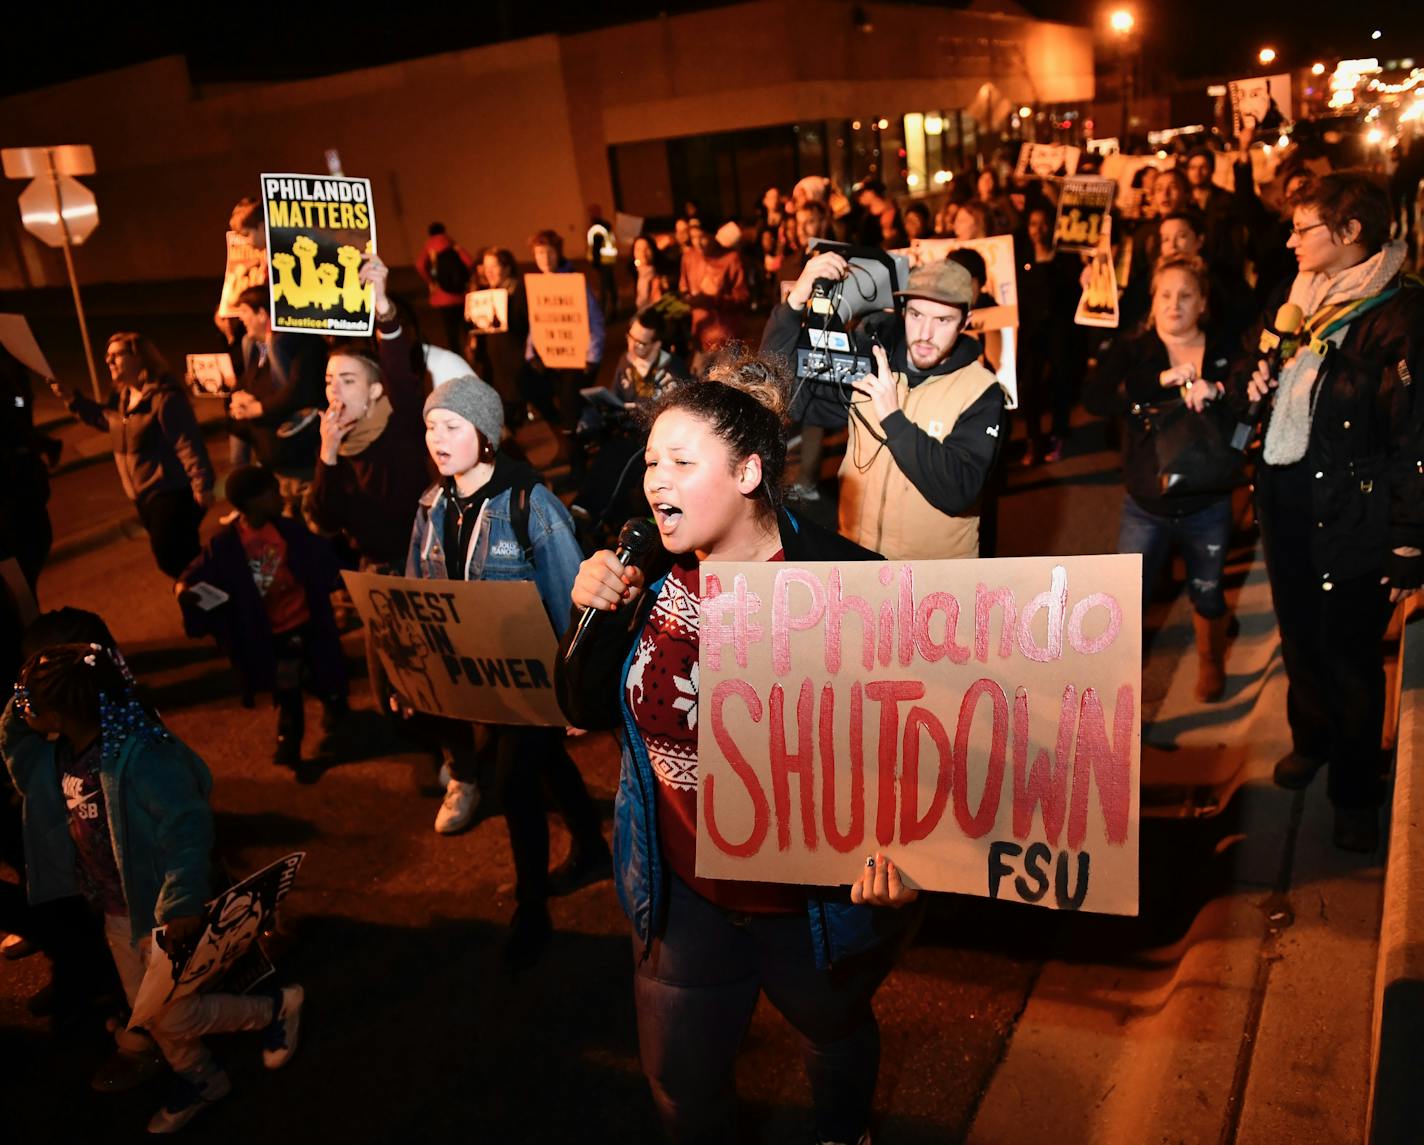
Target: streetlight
{"x":1266,"y":56}
{"x":1122,"y":21}
{"x":1317,"y":69}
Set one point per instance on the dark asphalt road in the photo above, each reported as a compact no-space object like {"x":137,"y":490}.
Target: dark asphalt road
{"x":412,"y":1032}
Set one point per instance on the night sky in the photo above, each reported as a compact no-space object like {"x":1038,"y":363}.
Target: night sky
{"x":1190,"y":37}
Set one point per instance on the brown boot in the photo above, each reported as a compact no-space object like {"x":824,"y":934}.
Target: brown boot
{"x":1211,"y":657}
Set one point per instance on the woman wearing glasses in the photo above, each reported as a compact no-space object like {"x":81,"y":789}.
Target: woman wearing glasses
{"x":1340,"y":489}
{"x":158,"y":447}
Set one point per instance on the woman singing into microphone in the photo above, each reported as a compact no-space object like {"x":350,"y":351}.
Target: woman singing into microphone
{"x":1340,"y":488}
{"x":704,"y":948}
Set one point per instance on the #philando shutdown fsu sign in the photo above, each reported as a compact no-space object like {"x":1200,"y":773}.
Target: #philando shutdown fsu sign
{"x":977,"y":721}
{"x":473,"y":650}
{"x":318,"y":227}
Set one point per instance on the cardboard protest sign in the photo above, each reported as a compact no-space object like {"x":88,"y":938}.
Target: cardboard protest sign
{"x":977,"y":721}
{"x":1123,"y":170}
{"x":1083,"y":206}
{"x":1097,"y":305}
{"x":558,"y":319}
{"x":1047,"y":159}
{"x":1261,"y":102}
{"x":479,"y":650}
{"x":246,"y":266}
{"x":488,"y":310}
{"x":211,"y":375}
{"x":626,"y":228}
{"x":17,"y":337}
{"x":233,"y":924}
{"x":996,"y":325}
{"x":318,"y":227}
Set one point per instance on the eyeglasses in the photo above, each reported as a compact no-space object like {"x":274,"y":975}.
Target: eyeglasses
{"x":1300,"y":232}
{"x":641,"y":345}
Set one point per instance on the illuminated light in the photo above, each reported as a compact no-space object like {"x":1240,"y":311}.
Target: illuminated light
{"x":912,"y":179}
{"x":1025,"y":112}
{"x":1376,"y":34}
{"x":934,"y":125}
{"x":1374,"y":136}
{"x":855,"y":125}
{"x":1283,"y":141}
{"x":1161,"y":155}
{"x":883,"y":124}
{"x":943,"y":177}
{"x":1216,"y":90}
{"x":1121,"y":21}
{"x":1317,"y":69}
{"x":1267,"y":55}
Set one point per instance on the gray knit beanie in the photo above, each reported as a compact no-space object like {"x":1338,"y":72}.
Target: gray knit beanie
{"x":474,"y":401}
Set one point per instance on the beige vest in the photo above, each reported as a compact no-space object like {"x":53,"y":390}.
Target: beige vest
{"x":879,"y":507}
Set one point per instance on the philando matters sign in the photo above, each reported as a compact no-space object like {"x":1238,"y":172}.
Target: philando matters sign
{"x":978,"y":721}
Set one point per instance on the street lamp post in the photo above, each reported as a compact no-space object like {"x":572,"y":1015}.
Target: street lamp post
{"x":1122,"y":22}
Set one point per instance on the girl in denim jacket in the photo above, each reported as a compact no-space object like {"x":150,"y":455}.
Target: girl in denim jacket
{"x":465,"y":530}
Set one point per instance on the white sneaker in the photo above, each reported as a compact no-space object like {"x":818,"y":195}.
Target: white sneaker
{"x":187,"y":1099}
{"x":280,"y":1038}
{"x":458,"y":807}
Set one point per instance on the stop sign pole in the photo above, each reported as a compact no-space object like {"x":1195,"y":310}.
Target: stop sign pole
{"x":58,"y":220}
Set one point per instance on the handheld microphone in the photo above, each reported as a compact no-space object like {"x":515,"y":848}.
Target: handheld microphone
{"x":635,"y":541}
{"x":1289,"y":320}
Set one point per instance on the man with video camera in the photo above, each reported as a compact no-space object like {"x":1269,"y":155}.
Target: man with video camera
{"x":924,"y":424}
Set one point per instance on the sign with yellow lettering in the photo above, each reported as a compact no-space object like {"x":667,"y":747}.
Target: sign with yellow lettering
{"x":318,"y":227}
{"x":1082,"y":207}
{"x":558,"y":319}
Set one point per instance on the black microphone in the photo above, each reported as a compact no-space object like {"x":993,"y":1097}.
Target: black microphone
{"x":635,"y":541}
{"x":1289,"y":320}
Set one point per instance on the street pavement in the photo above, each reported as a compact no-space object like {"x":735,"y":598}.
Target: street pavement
{"x":413,"y":1032}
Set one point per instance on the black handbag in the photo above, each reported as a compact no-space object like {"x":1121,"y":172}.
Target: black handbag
{"x":1192,"y":450}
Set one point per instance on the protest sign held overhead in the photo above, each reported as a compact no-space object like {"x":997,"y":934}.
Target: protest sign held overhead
{"x":318,"y":227}
{"x":1083,"y":206}
{"x":977,"y":721}
{"x":558,"y":319}
{"x":210,"y":375}
{"x":1098,"y":304}
{"x":17,"y":337}
{"x":233,"y":924}
{"x":1047,"y":159}
{"x":488,"y":310}
{"x":479,"y":650}
{"x":246,"y":266}
{"x":1262,"y":103}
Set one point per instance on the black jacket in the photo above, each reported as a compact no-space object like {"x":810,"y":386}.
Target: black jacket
{"x":1366,"y":448}
{"x":588,"y":685}
{"x":1127,"y":376}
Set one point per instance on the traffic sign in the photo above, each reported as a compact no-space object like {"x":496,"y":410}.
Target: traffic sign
{"x":45,"y":202}
{"x":32,"y":162}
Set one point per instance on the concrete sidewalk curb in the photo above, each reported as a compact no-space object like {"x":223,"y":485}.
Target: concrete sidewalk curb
{"x":1396,"y":1109}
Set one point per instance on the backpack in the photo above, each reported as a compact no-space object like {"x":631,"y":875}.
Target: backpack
{"x":519,"y":497}
{"x":449,"y":270}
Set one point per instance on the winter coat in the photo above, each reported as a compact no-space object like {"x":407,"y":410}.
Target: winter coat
{"x":158,"y":445}
{"x":240,"y":623}
{"x":592,"y":690}
{"x":156,"y":793}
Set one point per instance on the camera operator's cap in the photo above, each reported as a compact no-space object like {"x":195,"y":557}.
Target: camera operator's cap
{"x":946,"y":282}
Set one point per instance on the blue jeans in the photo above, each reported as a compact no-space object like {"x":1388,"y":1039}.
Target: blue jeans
{"x":695,"y":994}
{"x":1203,"y":537}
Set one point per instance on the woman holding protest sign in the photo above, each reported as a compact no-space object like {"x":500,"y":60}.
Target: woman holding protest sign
{"x":117,"y":808}
{"x":707,"y":948}
{"x":1167,"y":380}
{"x":490,"y":518}
{"x":158,"y":447}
